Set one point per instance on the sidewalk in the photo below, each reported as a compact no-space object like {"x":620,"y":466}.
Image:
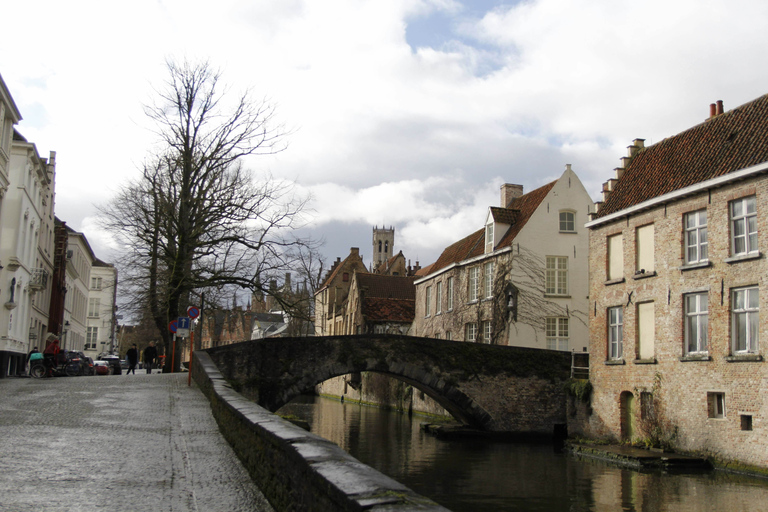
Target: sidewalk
{"x":133,"y":443}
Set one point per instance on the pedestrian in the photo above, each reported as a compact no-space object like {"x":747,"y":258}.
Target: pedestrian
{"x":133,"y":359}
{"x":150,"y":354}
{"x":51,"y":353}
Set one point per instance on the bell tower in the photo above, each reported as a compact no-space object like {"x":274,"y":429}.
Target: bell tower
{"x":383,"y":245}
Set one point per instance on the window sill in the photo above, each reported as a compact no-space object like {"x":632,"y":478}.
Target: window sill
{"x":614,"y":281}
{"x":643,"y":275}
{"x":568,"y":232}
{"x":614,"y":362}
{"x":645,"y":361}
{"x":744,"y":257}
{"x":556,"y":296}
{"x":695,"y":357}
{"x":744,"y":358}
{"x":693,"y":266}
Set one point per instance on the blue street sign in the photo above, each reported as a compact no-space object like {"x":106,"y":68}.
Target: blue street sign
{"x":182,"y":323}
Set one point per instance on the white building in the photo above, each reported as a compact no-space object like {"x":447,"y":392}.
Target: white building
{"x":101,"y":320}
{"x":521,"y":279}
{"x":80,"y":259}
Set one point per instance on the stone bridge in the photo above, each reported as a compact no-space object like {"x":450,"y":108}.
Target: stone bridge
{"x":487,"y":387}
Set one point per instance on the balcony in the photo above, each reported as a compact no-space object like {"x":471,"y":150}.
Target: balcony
{"x":39,"y":279}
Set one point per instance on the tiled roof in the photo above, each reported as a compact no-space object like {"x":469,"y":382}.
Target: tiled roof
{"x":376,"y":309}
{"x":731,"y":141}
{"x":518,"y":211}
{"x":504,"y":215}
{"x":387,"y":287}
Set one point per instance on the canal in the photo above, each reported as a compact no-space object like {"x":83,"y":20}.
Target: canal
{"x":476,"y":476}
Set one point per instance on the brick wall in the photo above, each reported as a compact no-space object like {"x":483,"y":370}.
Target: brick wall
{"x":681,"y":384}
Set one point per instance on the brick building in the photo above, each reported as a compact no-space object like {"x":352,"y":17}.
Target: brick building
{"x":677,"y":285}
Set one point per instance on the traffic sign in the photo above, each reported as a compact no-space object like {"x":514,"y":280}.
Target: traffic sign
{"x":182,"y":327}
{"x":193,"y":312}
{"x":172,"y":326}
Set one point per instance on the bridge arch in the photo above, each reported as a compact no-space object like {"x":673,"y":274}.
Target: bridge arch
{"x":492,"y":388}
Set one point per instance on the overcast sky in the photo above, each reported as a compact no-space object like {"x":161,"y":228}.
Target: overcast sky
{"x":409,"y":113}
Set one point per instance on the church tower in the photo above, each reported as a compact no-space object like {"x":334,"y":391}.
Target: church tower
{"x":383,"y":245}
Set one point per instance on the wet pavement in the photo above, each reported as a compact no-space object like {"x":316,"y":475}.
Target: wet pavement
{"x":117,"y":443}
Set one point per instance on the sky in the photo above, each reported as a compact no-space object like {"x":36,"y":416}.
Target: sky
{"x":403,"y":113}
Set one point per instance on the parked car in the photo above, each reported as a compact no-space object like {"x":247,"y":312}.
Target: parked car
{"x":101,"y":367}
{"x":77,"y":362}
{"x":114,"y":363}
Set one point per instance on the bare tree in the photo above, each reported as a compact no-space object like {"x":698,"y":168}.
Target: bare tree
{"x":195,"y":220}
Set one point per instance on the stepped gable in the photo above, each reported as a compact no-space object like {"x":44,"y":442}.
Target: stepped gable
{"x":516,"y":214}
{"x":722,"y":144}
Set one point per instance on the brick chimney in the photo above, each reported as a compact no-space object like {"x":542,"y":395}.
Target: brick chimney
{"x":510,"y":192}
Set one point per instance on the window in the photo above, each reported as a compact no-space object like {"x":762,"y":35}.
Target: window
{"x":449,"y":293}
{"x":646,"y":330}
{"x":696,"y":243}
{"x":437,"y":336}
{"x":557,"y":275}
{"x":567,"y":222}
{"x":615,"y":332}
{"x":95,"y":283}
{"x":473,"y":291}
{"x":746,"y":422}
{"x":644,"y":249}
{"x":487,"y":331}
{"x":488,"y":280}
{"x":345,"y":277}
{"x":93,"y":307}
{"x":557,"y":333}
{"x":615,"y":257}
{"x":428,"y":301}
{"x":471,"y":332}
{"x":716,"y":405}
{"x":439,"y":297}
{"x":90,"y":338}
{"x":745,"y":327}
{"x":743,"y":226}
{"x":448,"y":335}
{"x":696,"y":322}
{"x":489,"y":237}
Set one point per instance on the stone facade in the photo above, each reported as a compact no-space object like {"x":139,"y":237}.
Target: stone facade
{"x":668,"y":276}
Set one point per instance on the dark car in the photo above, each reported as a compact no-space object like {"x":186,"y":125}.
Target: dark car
{"x":78,"y":363}
{"x":114,"y":363}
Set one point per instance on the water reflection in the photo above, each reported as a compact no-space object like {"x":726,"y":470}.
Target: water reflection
{"x":477,"y":476}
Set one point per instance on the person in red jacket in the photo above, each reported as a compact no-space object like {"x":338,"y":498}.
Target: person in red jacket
{"x":51,"y":354}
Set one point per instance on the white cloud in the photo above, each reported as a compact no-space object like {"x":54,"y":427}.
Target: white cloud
{"x":383,"y":132}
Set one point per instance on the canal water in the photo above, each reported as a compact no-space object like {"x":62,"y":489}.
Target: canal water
{"x":477,"y":476}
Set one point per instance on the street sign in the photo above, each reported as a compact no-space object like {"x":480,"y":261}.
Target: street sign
{"x":172,"y":326}
{"x":193,"y":312}
{"x":182,"y":327}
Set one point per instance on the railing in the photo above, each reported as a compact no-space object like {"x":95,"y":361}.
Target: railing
{"x":39,"y":279}
{"x":580,"y":365}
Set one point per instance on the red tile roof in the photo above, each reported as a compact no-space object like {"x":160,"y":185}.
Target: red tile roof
{"x":728,"y":142}
{"x":517,"y":212}
{"x":387,"y":287}
{"x":376,"y":309}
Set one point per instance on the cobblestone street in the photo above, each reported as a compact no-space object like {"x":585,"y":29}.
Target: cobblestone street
{"x":134,"y":443}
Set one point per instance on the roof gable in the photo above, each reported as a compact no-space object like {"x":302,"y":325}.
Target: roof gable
{"x":726,"y":143}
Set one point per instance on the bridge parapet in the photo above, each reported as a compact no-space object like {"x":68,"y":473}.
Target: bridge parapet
{"x":493,"y":388}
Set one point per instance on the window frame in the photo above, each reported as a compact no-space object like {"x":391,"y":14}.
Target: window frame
{"x":751,"y":346}
{"x":470,"y":331}
{"x":557,"y":275}
{"x":473,"y":284}
{"x":557,"y":332}
{"x":744,"y":219}
{"x":438,"y":297}
{"x":615,"y":333}
{"x":489,"y":233}
{"x":428,"y":301}
{"x":697,"y":315}
{"x":572,"y":221}
{"x":696,"y":229}
{"x":488,"y":269}
{"x":449,"y":293}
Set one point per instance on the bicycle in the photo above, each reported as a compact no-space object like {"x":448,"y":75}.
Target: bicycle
{"x":40,"y":370}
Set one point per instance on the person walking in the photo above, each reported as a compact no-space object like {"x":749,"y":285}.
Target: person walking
{"x":133,"y":359}
{"x":150,"y":354}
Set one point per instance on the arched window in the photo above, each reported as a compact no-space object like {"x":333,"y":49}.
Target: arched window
{"x":386,"y":246}
{"x":568,"y":222}
{"x":379,"y":245}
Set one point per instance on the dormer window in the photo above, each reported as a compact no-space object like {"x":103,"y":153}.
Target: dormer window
{"x":489,"y":237}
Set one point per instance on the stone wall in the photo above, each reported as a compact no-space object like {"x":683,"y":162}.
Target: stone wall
{"x":297,"y":470}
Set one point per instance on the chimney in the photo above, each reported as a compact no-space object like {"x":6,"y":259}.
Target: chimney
{"x":719,"y":107}
{"x":712,"y":110}
{"x":510,"y":192}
